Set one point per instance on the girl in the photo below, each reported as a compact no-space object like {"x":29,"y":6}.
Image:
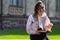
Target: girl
{"x":38,"y":21}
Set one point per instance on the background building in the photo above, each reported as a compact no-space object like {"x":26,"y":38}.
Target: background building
{"x":15,"y":12}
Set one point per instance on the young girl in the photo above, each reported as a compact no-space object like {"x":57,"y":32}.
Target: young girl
{"x":36,"y":21}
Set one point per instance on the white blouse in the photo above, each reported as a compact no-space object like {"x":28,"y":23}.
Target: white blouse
{"x":32,"y":24}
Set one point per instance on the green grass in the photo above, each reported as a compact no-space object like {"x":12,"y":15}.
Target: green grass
{"x":21,"y":34}
{"x":55,"y":34}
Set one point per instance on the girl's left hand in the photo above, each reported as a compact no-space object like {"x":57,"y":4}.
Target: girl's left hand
{"x":49,"y":27}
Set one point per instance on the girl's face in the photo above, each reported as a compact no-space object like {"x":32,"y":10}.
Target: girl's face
{"x":40,"y":12}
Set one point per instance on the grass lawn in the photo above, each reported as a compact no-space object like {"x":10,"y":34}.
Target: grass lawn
{"x":14,"y":34}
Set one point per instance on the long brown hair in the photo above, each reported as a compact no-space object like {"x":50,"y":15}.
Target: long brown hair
{"x":37,"y":7}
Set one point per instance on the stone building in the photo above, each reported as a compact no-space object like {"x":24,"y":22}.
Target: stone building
{"x":14,"y":13}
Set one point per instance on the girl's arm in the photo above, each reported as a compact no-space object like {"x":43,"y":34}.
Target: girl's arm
{"x":29,"y":26}
{"x":48,"y":24}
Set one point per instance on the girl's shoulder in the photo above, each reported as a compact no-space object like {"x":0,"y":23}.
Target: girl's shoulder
{"x":31,"y":17}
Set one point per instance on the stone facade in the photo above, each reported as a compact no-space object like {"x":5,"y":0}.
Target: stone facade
{"x":14,"y":23}
{"x":28,"y":8}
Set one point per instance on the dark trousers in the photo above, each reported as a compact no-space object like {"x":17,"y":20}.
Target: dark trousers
{"x":41,"y":36}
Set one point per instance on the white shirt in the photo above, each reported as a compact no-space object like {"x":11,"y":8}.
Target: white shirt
{"x":32,"y":24}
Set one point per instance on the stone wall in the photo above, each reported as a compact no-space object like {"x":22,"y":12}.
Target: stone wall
{"x":14,"y":23}
{"x":28,"y":8}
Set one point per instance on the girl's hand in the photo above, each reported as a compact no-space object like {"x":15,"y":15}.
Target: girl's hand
{"x":49,"y":27}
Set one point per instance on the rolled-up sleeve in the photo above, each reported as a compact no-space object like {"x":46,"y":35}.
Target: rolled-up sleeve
{"x":29,"y":25}
{"x":47,"y":21}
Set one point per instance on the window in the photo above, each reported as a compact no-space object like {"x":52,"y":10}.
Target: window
{"x":20,"y":2}
{"x":12,"y":2}
{"x":16,"y":7}
{"x":16,"y":3}
{"x":57,"y":5}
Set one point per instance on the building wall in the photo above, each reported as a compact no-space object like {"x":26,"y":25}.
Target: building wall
{"x":28,"y":8}
{"x":13,"y":22}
